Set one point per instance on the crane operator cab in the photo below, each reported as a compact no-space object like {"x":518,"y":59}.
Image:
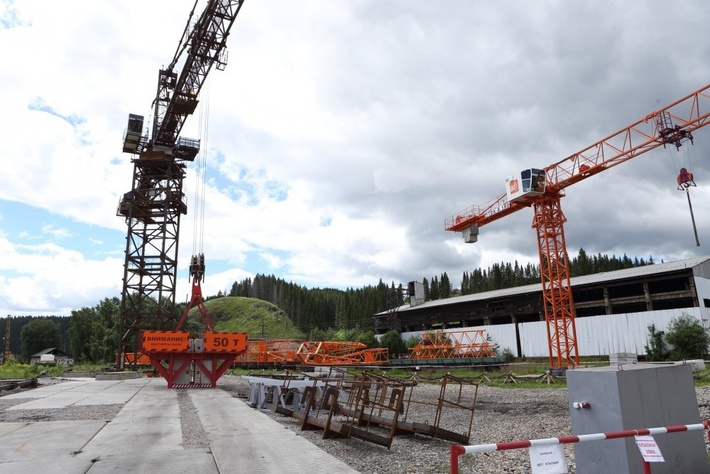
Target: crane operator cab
{"x":530,"y":183}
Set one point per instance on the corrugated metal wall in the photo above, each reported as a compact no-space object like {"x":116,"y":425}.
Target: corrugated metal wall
{"x":604,"y":335}
{"x":702,"y":288}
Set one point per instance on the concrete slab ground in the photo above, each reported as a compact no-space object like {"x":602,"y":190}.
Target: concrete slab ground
{"x":146,"y":434}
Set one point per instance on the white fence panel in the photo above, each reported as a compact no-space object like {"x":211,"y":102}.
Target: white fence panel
{"x":604,"y":335}
{"x":533,"y":339}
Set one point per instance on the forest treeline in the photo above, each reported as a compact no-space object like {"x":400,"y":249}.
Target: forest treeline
{"x":90,"y":333}
{"x":19,"y":322}
{"x":507,"y":275}
{"x":322,"y":308}
{"x":317,"y":308}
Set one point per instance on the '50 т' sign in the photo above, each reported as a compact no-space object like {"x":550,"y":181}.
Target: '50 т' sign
{"x":225,"y":341}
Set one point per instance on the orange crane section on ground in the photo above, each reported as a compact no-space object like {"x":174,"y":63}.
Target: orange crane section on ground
{"x":293,"y":351}
{"x":270,"y":351}
{"x":453,"y":345}
{"x":542,"y":190}
{"x":340,"y":353}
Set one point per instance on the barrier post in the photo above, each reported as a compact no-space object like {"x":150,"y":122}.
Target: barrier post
{"x":456,"y":451}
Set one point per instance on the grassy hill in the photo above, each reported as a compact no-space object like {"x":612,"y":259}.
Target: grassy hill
{"x":238,"y":314}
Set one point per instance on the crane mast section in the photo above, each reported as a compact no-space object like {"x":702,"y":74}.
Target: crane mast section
{"x":176,"y":96}
{"x":687,"y":115}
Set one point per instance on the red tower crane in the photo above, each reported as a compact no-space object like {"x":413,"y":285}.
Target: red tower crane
{"x":542,"y":190}
{"x":153,"y":207}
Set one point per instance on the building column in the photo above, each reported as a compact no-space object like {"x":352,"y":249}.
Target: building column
{"x":607,"y":301}
{"x":694,"y":291}
{"x":647,"y":297}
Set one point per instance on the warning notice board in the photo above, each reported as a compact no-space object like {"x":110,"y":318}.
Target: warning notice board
{"x":649,"y":449}
{"x":231,"y":342}
{"x":548,"y":459}
{"x":165,"y":341}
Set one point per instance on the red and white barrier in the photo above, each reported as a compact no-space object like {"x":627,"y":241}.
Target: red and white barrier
{"x":458,"y":450}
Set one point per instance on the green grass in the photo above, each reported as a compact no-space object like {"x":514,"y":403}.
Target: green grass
{"x":17,"y":370}
{"x":257,"y":317}
{"x":90,"y":367}
{"x":702,"y":377}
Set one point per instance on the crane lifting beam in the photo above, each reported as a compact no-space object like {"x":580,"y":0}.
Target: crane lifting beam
{"x":671,"y":125}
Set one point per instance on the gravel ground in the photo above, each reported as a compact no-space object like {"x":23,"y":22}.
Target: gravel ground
{"x":501,"y":415}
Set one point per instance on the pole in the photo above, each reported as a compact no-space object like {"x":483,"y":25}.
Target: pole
{"x":692,"y":218}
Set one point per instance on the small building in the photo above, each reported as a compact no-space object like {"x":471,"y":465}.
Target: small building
{"x":52,"y":356}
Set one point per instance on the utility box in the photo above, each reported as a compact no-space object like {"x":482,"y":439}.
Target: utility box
{"x":607,"y":399}
{"x":623,"y":358}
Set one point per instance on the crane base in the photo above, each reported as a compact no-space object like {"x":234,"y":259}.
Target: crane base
{"x":187,"y":369}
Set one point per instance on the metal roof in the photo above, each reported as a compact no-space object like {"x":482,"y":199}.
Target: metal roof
{"x":49,"y":350}
{"x":646,"y":270}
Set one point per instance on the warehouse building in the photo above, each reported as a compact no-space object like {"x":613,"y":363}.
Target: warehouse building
{"x":613,"y":310}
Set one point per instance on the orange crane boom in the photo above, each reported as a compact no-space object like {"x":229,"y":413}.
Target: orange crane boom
{"x":542,"y":190}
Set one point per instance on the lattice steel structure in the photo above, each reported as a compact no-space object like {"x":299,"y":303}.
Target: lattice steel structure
{"x":153,"y":207}
{"x":671,"y":125}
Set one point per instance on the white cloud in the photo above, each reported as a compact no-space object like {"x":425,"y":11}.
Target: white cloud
{"x":47,"y":279}
{"x":342,"y":134}
{"x":58,"y":233}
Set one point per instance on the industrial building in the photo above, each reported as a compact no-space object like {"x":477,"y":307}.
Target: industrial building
{"x":613,"y":310}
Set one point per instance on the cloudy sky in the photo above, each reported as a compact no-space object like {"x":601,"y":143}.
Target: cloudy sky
{"x":341,"y":135}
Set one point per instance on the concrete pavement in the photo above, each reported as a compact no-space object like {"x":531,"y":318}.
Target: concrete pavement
{"x":146,"y":434}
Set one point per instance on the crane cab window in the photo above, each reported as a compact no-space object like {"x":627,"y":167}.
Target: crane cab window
{"x":530,"y":183}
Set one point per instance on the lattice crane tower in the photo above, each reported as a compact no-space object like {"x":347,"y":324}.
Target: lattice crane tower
{"x":155,"y":203}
